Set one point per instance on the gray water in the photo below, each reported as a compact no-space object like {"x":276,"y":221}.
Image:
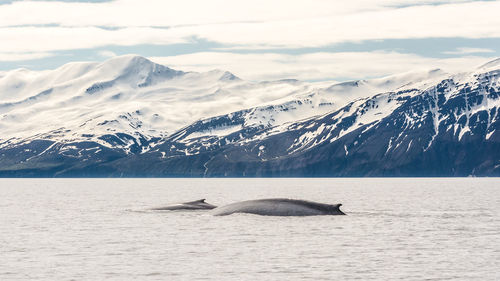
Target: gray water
{"x":396,"y":229}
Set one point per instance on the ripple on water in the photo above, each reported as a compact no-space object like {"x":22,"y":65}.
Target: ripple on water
{"x":395,"y":229}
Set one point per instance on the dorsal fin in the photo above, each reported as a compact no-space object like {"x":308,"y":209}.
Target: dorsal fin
{"x":196,"y":201}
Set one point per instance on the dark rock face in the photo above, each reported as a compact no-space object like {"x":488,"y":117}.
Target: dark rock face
{"x":449,"y":129}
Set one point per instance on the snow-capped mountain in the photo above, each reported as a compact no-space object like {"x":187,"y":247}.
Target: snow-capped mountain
{"x":131,"y":117}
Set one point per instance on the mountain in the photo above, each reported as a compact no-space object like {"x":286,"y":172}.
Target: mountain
{"x":131,"y":117}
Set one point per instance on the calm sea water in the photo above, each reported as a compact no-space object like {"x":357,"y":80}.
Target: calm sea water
{"x":396,"y":229}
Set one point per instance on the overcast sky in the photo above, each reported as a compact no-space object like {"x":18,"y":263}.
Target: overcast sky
{"x":257,"y":40}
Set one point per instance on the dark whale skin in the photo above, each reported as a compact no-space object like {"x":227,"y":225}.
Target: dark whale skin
{"x":279,"y":207}
{"x":193,"y":205}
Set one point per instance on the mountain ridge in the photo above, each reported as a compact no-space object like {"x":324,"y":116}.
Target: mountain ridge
{"x":392,"y":126}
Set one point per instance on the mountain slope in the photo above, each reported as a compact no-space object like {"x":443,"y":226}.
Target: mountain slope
{"x":131,"y":117}
{"x":448,"y":129}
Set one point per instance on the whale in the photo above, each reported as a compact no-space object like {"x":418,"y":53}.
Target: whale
{"x":192,"y":205}
{"x":279,"y":207}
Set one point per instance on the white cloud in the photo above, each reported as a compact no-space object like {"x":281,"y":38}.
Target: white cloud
{"x":187,"y":12}
{"x":56,"y":26}
{"x":471,"y":20}
{"x":315,"y":66}
{"x":15,"y":56}
{"x":42,"y":39}
{"x":106,"y":54}
{"x":465,"y":51}
{"x":257,"y":23}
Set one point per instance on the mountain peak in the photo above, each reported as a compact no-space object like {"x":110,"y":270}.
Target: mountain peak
{"x":228,"y":76}
{"x":491,"y":65}
{"x":137,"y":70}
{"x":128,"y":116}
{"x":223,"y":75}
{"x":126,"y":61}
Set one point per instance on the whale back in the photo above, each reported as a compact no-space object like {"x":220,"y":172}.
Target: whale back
{"x":192,"y":205}
{"x":279,"y":207}
{"x":201,"y":204}
{"x":201,"y":201}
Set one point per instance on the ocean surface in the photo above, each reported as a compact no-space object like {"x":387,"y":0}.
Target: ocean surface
{"x":395,"y":229}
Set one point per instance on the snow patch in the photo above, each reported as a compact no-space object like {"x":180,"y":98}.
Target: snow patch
{"x":220,"y":131}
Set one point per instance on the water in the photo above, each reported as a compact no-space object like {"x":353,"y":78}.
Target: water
{"x":396,"y":229}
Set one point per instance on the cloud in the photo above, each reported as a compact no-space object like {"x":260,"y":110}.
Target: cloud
{"x":11,"y":56}
{"x":253,"y":24}
{"x":189,"y":12}
{"x":106,"y":54}
{"x":470,"y":20}
{"x":316,"y":66}
{"x":465,"y":50}
{"x":55,"y":27}
{"x":42,"y":39}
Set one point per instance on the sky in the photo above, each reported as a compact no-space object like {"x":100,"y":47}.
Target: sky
{"x":312,"y":40}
